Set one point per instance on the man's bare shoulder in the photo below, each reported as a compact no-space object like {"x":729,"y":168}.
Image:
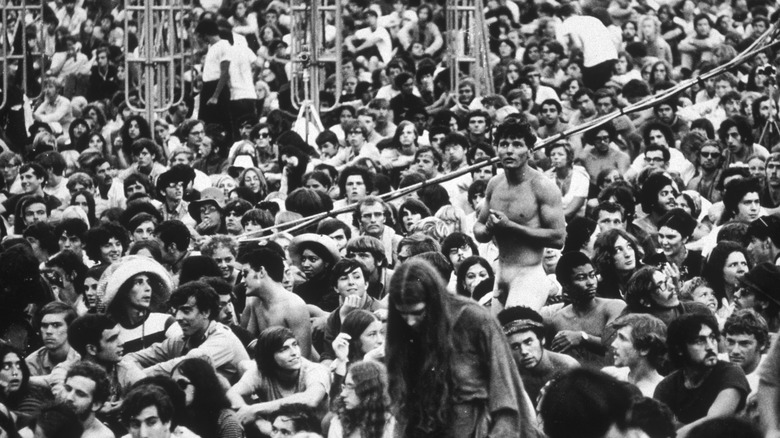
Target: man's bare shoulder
{"x":610,"y":304}
{"x":98,"y":430}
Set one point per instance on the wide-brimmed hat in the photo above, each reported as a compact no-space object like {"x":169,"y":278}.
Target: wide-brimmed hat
{"x":763,"y":279}
{"x":325,"y":243}
{"x":126,"y":268}
{"x":209,"y":196}
{"x":178,"y":173}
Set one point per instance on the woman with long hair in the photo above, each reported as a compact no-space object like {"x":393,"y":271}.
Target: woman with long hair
{"x":726,"y":264}
{"x":134,"y":128}
{"x":617,"y":256}
{"x":23,"y":398}
{"x":363,"y":409}
{"x":253,"y":179}
{"x":650,"y":290}
{"x":208,"y":412}
{"x":441,"y":387}
{"x":472,"y":272}
{"x":362,"y":335}
{"x":399,"y":153}
{"x":86,"y":201}
{"x":411,"y":212}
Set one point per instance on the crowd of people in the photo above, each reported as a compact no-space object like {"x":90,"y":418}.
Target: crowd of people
{"x":158,"y":277}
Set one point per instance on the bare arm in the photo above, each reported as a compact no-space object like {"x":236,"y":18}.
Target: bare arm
{"x":224,"y":75}
{"x":482,"y":233}
{"x":438,"y":41}
{"x":299,"y":322}
{"x":551,"y":231}
{"x":767,"y":408}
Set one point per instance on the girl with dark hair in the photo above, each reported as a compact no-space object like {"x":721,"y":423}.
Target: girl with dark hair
{"x":86,"y":201}
{"x":650,"y":290}
{"x":616,"y":257}
{"x":411,"y":212}
{"x":430,"y":374}
{"x":362,"y":335}
{"x":134,"y":128}
{"x":363,"y":409}
{"x":22,"y":398}
{"x":253,"y":179}
{"x":727,"y":263}
{"x":282,"y":377}
{"x":208,"y":412}
{"x":93,"y":141}
{"x":78,"y":128}
{"x":295,"y":160}
{"x":472,"y":272}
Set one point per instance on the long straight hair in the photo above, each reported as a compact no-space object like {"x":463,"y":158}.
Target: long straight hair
{"x":419,"y":363}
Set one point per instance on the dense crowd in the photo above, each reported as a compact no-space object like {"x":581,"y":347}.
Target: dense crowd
{"x":158,"y":277}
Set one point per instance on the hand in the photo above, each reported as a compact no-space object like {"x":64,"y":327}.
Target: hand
{"x":246,"y":414}
{"x":109,"y":407}
{"x":672,"y":271}
{"x":378,"y":355}
{"x":497,"y":219}
{"x":213,"y":100}
{"x":381,"y":314}
{"x":350,"y":303}
{"x":565,"y":340}
{"x":341,"y":346}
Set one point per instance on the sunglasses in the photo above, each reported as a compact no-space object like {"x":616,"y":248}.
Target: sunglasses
{"x":710,"y":154}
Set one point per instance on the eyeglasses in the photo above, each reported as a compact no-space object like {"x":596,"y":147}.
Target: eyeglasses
{"x":183,"y":384}
{"x":263,"y":135}
{"x":582,"y":277}
{"x":207,"y":209}
{"x":455,"y":251}
{"x":177,"y":185}
{"x":664,"y":285}
{"x":710,"y":154}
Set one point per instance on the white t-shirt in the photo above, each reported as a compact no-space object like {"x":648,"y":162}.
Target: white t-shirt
{"x":218,"y":52}
{"x":384,"y":45}
{"x":593,"y":36}
{"x":241,"y":84}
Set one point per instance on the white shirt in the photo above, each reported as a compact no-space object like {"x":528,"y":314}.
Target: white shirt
{"x":218,"y":52}
{"x":593,"y":36}
{"x":384,"y":45}
{"x":241,"y":84}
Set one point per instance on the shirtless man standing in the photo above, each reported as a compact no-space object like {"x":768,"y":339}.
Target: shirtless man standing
{"x":269,"y":303}
{"x":523,"y":212}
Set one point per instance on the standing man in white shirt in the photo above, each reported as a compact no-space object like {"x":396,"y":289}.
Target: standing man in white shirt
{"x":215,"y":92}
{"x":591,"y":36}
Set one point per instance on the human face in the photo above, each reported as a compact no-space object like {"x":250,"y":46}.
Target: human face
{"x":550,"y":259}
{"x":409,"y":218}
{"x":734,"y":140}
{"x":413,"y":314}
{"x":356,"y":188}
{"x":457,"y":255}
{"x":147,"y":424}
{"x":78,"y":394}
{"x":426,"y":163}
{"x":760,"y":250}
{"x":226,"y":310}
{"x":527,"y":349}
{"x":372,"y":337}
{"x":352,"y":283}
{"x":140,"y":296}
{"x":586,"y":106}
{"x":225,"y":260}
{"x":604,"y":105}
{"x":657,"y":138}
{"x":665,"y":293}
{"x":743,"y":350}
{"x":709,"y":157}
{"x":311,"y":264}
{"x":667,"y":199}
{"x":191,"y":319}
{"x":111,"y":251}
{"x":477,"y":125}
{"x":209,"y":213}
{"x":328,"y":150}
{"x":355,"y":138}
{"x":465,"y":95}
{"x":10,"y":171}
{"x":30,"y":182}
{"x":549,"y":114}
{"x":144,"y":159}
{"x":341,"y":239}
{"x":735,"y":267}
{"x":484,"y":174}
{"x":282,"y":427}
{"x":81,"y":202}
{"x":703,"y":352}
{"x":35,"y":213}
{"x":196,"y":136}
{"x":144,"y":231}
{"x":372,"y":219}
{"x":366,"y":258}
{"x":289,"y":356}
{"x":703,"y":28}
{"x":625,"y":257}
{"x":558,"y":157}
{"x":110,"y":348}
{"x":348,"y":395}
{"x":252,"y":181}
{"x":512,"y":73}
{"x":11,"y":373}
{"x":665,"y":113}
{"x":513,"y":152}
{"x":475,"y":275}
{"x":70,"y":242}
{"x":454,"y":154}
{"x":186,"y":386}
{"x":671,"y":241}
{"x":748,"y":208}
{"x":608,"y":220}
{"x":773,"y":173}
{"x":584,"y":284}
{"x":133,"y":130}
{"x":705,"y":295}
{"x":54,"y":330}
{"x":206,"y":147}
{"x":623,"y":350}
{"x":722,"y":87}
{"x":659,"y":73}
{"x":90,"y":290}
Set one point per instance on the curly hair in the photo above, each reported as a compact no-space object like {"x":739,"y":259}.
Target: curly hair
{"x":370,"y":417}
{"x":213,"y":243}
{"x":604,"y":252}
{"x":640,"y":287}
{"x":99,"y":236}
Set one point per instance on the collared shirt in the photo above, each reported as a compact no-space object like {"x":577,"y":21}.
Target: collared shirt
{"x":40,"y":363}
